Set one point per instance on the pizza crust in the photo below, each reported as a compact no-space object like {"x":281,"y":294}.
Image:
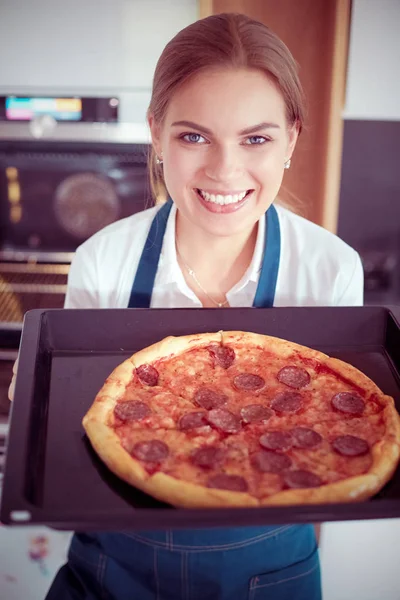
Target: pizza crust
{"x":287,"y":350}
{"x":159,"y":485}
{"x":185,"y":494}
{"x":172,"y":346}
{"x":115,"y":384}
{"x":385,"y":456}
{"x":357,"y":377}
{"x":282,"y":348}
{"x":191,"y":495}
{"x":108,"y":447}
{"x":107,"y":444}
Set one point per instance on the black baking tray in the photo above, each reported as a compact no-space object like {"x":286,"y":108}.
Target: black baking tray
{"x":52,"y":475}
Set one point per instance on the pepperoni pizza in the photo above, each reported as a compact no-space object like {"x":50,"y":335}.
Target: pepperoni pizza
{"x":243,"y":419}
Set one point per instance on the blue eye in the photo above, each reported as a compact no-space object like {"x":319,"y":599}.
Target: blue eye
{"x":193,"y":138}
{"x":256,"y":140}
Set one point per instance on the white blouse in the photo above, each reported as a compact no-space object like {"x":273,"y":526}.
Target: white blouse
{"x":316,"y":267}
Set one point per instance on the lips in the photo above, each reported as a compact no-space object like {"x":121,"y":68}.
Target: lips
{"x":222,"y":199}
{"x":223,"y":203}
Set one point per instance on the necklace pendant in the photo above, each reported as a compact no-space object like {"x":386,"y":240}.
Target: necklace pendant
{"x":193,"y":274}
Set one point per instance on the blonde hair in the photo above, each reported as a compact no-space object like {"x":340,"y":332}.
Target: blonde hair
{"x":225,"y":40}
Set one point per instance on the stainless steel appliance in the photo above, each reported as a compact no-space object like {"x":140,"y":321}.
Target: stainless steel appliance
{"x":60,"y":182}
{"x":53,"y":196}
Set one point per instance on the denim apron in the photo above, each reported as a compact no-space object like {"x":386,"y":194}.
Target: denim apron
{"x":247,"y":563}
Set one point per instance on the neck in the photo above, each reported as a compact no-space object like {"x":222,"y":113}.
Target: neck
{"x":218,"y":262}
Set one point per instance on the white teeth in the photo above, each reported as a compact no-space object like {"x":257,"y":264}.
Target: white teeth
{"x":222,"y":200}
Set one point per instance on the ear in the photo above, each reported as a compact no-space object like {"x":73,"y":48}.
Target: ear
{"x":293,"y":134}
{"x":155,"y":131}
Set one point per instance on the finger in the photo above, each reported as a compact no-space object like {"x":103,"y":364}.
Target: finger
{"x":15,"y":366}
{"x":11,"y":389}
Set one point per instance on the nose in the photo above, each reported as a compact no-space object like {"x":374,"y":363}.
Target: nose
{"x":223,"y":164}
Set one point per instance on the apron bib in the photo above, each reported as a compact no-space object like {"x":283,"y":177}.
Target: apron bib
{"x":143,"y":284}
{"x":249,"y":563}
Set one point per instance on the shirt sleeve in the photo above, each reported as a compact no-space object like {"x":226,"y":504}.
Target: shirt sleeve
{"x":83,"y":287}
{"x":353,"y":293}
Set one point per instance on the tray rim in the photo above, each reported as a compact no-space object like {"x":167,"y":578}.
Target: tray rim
{"x":32,"y":328}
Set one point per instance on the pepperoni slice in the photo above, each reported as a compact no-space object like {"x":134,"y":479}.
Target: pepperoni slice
{"x":350,"y":445}
{"x":151,"y":451}
{"x":255,"y":412}
{"x":208,"y":399}
{"x":287,"y":402}
{"x":304,"y":437}
{"x":276,"y":440}
{"x":302,"y":479}
{"x":294,"y":377}
{"x":224,"y":420}
{"x":348,"y":402}
{"x":192,"y":420}
{"x":207,"y":456}
{"x":222,"y":481}
{"x":223,"y":355}
{"x":131,"y":410}
{"x":267,"y":461}
{"x":147,"y":375}
{"x":248,"y":381}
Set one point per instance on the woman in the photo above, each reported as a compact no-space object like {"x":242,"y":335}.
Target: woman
{"x":225,"y":115}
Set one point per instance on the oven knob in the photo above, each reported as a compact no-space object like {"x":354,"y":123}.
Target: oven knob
{"x":42,"y":126}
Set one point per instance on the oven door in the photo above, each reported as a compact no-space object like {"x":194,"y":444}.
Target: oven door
{"x":53,"y":198}
{"x":25,"y":286}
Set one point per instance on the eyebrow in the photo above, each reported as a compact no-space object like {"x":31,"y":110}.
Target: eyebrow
{"x":247,"y":131}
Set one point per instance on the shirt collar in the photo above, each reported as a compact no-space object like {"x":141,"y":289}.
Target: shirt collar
{"x":169,"y":271}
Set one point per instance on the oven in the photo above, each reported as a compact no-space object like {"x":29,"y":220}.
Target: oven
{"x":56,"y":190}
{"x":54,"y":196}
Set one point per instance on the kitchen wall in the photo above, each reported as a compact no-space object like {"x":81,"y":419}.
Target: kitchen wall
{"x":88,"y":47}
{"x":373,"y":84}
{"x":369,"y":215}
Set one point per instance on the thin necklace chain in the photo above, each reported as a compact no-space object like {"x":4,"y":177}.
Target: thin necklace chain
{"x":194,"y":276}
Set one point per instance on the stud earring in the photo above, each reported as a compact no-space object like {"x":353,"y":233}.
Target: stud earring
{"x":159,"y":161}
{"x":287,"y":163}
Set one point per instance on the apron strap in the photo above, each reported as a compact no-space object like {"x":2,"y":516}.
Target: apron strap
{"x":146,"y":273}
{"x":265,"y":293}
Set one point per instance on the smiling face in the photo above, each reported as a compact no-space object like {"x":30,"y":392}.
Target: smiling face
{"x":224,"y":142}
